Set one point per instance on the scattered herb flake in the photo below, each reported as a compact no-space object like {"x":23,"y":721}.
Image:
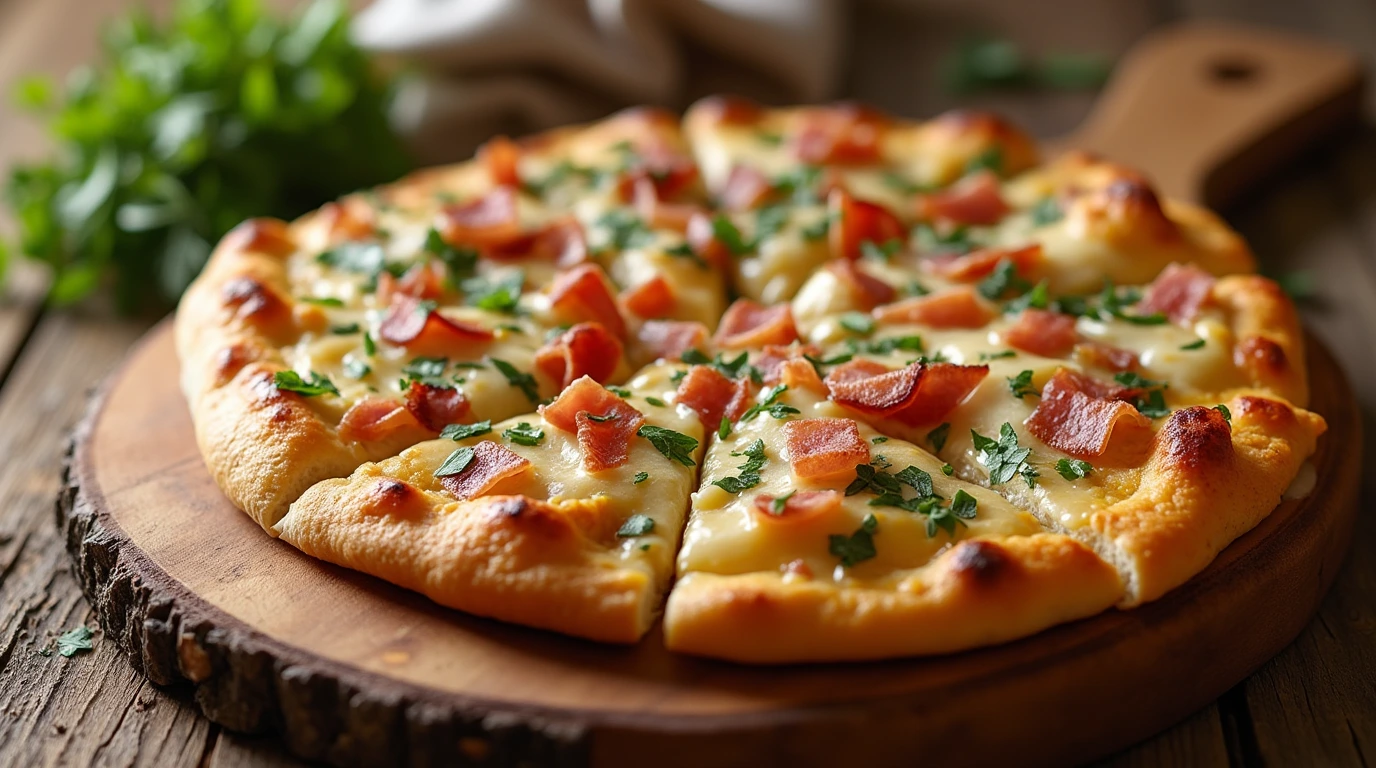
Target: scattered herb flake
{"x":524,"y":434}
{"x":74,"y":641}
{"x":291,"y":381}
{"x":675,"y":446}
{"x":1073,"y":469}
{"x":457,"y":462}
{"x":857,"y":547}
{"x":465,"y":431}
{"x":1196,"y":344}
{"x":635,"y":525}
{"x":516,"y":378}
{"x":640,"y":477}
{"x":1021,"y":385}
{"x":937,"y":437}
{"x":1002,"y":457}
{"x":857,"y":322}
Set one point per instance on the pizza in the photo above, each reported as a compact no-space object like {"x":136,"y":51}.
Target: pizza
{"x":803,"y":384}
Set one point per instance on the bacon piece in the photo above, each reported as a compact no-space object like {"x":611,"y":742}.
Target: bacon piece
{"x":669,"y":339}
{"x":712,"y":395}
{"x":606,"y":444}
{"x":842,"y":134}
{"x":422,"y":281}
{"x":702,"y":238}
{"x":822,"y":450}
{"x":748,"y":324}
{"x":657,"y":212}
{"x":858,"y":221}
{"x":972,"y":200}
{"x":376,"y":418}
{"x":1084,"y":418}
{"x":1179,"y":292}
{"x":800,"y":374}
{"x":958,"y":307}
{"x":425,"y":331}
{"x":492,"y":463}
{"x":489,"y":221}
{"x":1106,"y":356}
{"x":916,"y":394}
{"x":584,"y":294}
{"x":1041,"y":332}
{"x":798,"y":508}
{"x":652,"y":298}
{"x":746,"y":188}
{"x":584,"y":395}
{"x":586,"y":349}
{"x":771,"y":358}
{"x":866,"y":291}
{"x":970,"y":267}
{"x":436,"y":407}
{"x":501,"y":156}
{"x":561,"y":242}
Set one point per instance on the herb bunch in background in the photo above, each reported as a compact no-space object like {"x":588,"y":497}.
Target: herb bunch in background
{"x":183,"y":130}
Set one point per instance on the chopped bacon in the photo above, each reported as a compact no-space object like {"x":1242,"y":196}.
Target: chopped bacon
{"x":858,"y":221}
{"x":769,"y":361}
{"x":584,"y":294}
{"x":972,"y":200}
{"x":606,"y":444}
{"x":422,"y":281}
{"x":657,"y":212}
{"x":1042,"y":332}
{"x":799,"y":507}
{"x":970,"y":267}
{"x":586,"y":349}
{"x":376,"y":418}
{"x":492,"y":463}
{"x":748,"y":324}
{"x":1097,"y":355}
{"x":842,"y":134}
{"x":727,"y":110}
{"x":669,"y":339}
{"x":489,"y":221}
{"x":436,"y":407}
{"x":501,"y":156}
{"x":820,"y":450}
{"x":917,"y":394}
{"x":712,"y":395}
{"x":652,"y":298}
{"x":584,"y":395}
{"x":745,"y":189}
{"x":1084,"y":418}
{"x":1179,"y":292}
{"x":958,"y":307}
{"x":421,"y":329}
{"x":800,"y":374}
{"x":702,"y":238}
{"x":562,"y":242}
{"x":866,"y":291}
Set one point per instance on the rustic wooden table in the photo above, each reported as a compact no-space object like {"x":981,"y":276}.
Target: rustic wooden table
{"x":1313,"y":704}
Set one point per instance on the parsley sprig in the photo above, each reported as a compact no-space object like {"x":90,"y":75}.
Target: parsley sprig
{"x":771,"y":405}
{"x":291,"y":381}
{"x":747,"y":474}
{"x":675,"y":446}
{"x":1003,"y":458}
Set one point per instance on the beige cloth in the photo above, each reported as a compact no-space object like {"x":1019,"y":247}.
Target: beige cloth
{"x":514,"y":66}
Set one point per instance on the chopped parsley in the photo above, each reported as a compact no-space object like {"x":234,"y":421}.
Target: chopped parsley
{"x":902,"y":184}
{"x":503,"y":295}
{"x":724,"y":428}
{"x":937,"y":437}
{"x":990,"y":159}
{"x":1021,"y":385}
{"x":1038,"y":297}
{"x":1196,"y":344}
{"x":963,"y":507}
{"x":655,"y":402}
{"x":685,"y":251}
{"x":985,"y":357}
{"x":817,"y":229}
{"x":426,"y":370}
{"x":771,"y":405}
{"x":886,"y":346}
{"x":1046,"y":211}
{"x":516,"y":378}
{"x":362,"y":258}
{"x":524,"y":434}
{"x":947,"y":470}
{"x":74,"y":641}
{"x":291,"y":381}
{"x":1227,"y":414}
{"x":619,"y":391}
{"x":748,"y":474}
{"x":459,"y":261}
{"x":1152,"y":402}
{"x":730,"y":236}
{"x":675,"y":446}
{"x":930,"y":240}
{"x":857,"y":322}
{"x":369,"y":346}
{"x":1003,"y":458}
{"x":878,"y":440}
{"x":819,"y":362}
{"x":768,"y":221}
{"x":857,"y":547}
{"x":344,"y":330}
{"x":635,"y":525}
{"x":457,"y":462}
{"x":1073,"y":469}
{"x":1113,"y":304}
{"x":603,"y":417}
{"x":779,"y":504}
{"x":1002,"y":280}
{"x":640,"y":477}
{"x":880,"y":251}
{"x":322,"y":301}
{"x":464,"y":431}
{"x":625,"y":229}
{"x":356,"y":369}
{"x":732,"y":369}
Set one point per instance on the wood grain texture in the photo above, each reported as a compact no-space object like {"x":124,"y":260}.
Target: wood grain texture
{"x":353,"y":671}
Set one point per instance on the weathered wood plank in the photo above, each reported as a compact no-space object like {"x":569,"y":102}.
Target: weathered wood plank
{"x":1197,"y":742}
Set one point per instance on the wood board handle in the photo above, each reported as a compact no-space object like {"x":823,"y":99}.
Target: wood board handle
{"x":1207,"y":109}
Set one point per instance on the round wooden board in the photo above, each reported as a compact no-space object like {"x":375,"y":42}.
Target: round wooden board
{"x":354,"y":671}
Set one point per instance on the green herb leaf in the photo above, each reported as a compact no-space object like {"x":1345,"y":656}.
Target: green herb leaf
{"x":465,"y":431}
{"x":503,"y":295}
{"x":635,"y":525}
{"x":857,"y":322}
{"x":640,"y":477}
{"x":624,"y":229}
{"x":1073,"y":469}
{"x":369,"y":346}
{"x":457,"y":462}
{"x":937,"y":437}
{"x":724,"y":428}
{"x":345,"y":330}
{"x":1046,"y":211}
{"x":524,"y":434}
{"x":857,"y":547}
{"x":356,"y":369}
{"x":1002,"y":457}
{"x":291,"y":381}
{"x":74,"y":641}
{"x":1021,"y":385}
{"x":675,"y":446}
{"x":947,"y":470}
{"x":322,"y":301}
{"x":1227,"y":414}
{"x":748,"y":474}
{"x":1003,"y":279}
{"x":770,"y":405}
{"x":726,"y":232}
{"x":656,"y":402}
{"x":1196,"y":344}
{"x":519,"y":379}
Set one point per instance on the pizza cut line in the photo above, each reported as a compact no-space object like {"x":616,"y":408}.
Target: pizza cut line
{"x":813,"y":384}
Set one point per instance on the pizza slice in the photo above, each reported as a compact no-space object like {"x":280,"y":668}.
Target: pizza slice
{"x":565,"y":519}
{"x":472,"y":292}
{"x":815,"y":537}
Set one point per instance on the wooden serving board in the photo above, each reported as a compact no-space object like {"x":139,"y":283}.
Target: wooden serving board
{"x":354,"y":671}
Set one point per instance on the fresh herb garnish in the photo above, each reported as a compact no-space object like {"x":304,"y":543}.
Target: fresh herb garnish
{"x":902,"y":184}
{"x":685,"y":251}
{"x":771,"y":405}
{"x":635,"y":525}
{"x":857,"y":322}
{"x":356,"y":369}
{"x":1003,"y":279}
{"x":947,"y":470}
{"x":516,"y":378}
{"x":74,"y":641}
{"x":502,"y":295}
{"x":345,"y":330}
{"x":1196,"y":344}
{"x":880,"y":251}
{"x":465,"y":431}
{"x":369,"y":346}
{"x":931,"y":240}
{"x":1021,"y":385}
{"x":675,"y":446}
{"x":1002,"y":457}
{"x":459,"y":261}
{"x":524,"y":434}
{"x":1227,"y":414}
{"x":322,"y":301}
{"x":726,"y":232}
{"x":747,"y":474}
{"x":291,"y":381}
{"x":724,"y":428}
{"x":878,"y":440}
{"x":886,"y":346}
{"x":1073,"y":469}
{"x":360,"y":258}
{"x":990,"y":159}
{"x":640,"y":477}
{"x":857,"y":547}
{"x":985,"y":357}
{"x":603,"y":417}
{"x":937,"y":437}
{"x":1046,"y":211}
{"x":625,"y":229}
{"x":457,"y":462}
{"x":779,"y":504}
{"x":656,"y":402}
{"x":1112,"y":304}
{"x":732,"y":369}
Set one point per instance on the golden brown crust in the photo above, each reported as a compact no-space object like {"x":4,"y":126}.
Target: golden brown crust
{"x":980,"y":592}
{"x":1268,"y":337}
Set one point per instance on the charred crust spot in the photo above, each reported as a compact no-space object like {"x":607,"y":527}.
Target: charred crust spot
{"x":1197,"y":438}
{"x":1260,"y":354}
{"x":510,"y":507}
{"x":980,"y":562}
{"x":250,"y":299}
{"x":269,"y":236}
{"x":232,"y":359}
{"x":1263,"y":409}
{"x":1132,"y":199}
{"x":390,"y":495}
{"x":728,"y":110}
{"x":262,"y":389}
